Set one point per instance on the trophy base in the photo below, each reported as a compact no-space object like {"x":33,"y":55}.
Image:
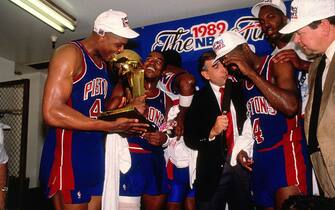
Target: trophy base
{"x":127,"y":112}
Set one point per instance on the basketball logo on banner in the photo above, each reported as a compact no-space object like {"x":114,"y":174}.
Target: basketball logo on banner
{"x":201,"y":36}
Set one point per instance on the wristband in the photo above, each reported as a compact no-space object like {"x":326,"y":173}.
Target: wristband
{"x":185,"y":101}
{"x":4,"y":189}
{"x":167,"y":141}
{"x":211,"y":139}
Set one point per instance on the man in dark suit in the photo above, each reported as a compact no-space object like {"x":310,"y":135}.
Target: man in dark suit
{"x":213,"y":134}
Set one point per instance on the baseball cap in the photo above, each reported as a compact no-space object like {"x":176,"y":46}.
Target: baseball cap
{"x":226,"y":42}
{"x":304,"y":12}
{"x":279,"y":4}
{"x":115,"y":22}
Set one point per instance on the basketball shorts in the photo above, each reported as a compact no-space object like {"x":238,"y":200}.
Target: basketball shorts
{"x":147,"y":175}
{"x":280,"y":167}
{"x":179,"y":185}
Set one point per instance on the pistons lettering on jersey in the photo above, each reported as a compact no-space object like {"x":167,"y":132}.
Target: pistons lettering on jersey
{"x":155,"y":116}
{"x":259,"y":105}
{"x":95,"y":87}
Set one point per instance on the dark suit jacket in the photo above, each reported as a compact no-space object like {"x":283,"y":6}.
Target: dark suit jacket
{"x":199,"y":120}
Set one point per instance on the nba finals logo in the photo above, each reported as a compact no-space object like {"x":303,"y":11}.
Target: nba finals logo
{"x":125,"y":22}
{"x":198,"y":37}
{"x":294,"y":12}
{"x":218,"y":45}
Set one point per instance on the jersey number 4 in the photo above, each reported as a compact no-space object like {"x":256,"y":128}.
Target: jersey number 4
{"x":95,"y":109}
{"x":257,"y":131}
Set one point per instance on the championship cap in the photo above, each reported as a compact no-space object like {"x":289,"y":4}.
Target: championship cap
{"x":279,"y":4}
{"x":304,"y":12}
{"x":115,"y":22}
{"x":226,"y":42}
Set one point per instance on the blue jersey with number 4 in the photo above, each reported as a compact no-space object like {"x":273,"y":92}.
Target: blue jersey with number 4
{"x":74,"y":159}
{"x":270,"y":126}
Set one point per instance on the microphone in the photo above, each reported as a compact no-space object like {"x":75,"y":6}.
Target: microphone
{"x":227,"y":97}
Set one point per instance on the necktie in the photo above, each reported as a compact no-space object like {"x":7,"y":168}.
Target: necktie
{"x":229,"y":132}
{"x":221,"y":97}
{"x":313,"y":144}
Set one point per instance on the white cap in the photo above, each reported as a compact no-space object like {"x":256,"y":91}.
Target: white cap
{"x":115,"y":22}
{"x":304,"y":12}
{"x":279,"y":4}
{"x":226,"y":42}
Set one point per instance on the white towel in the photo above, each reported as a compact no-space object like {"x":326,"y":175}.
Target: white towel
{"x":192,"y":166}
{"x":178,"y":153}
{"x":244,"y":142}
{"x":117,"y":158}
{"x":3,"y":153}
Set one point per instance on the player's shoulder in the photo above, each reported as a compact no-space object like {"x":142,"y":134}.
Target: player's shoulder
{"x":281,"y":67}
{"x":68,"y":48}
{"x":67,"y":56}
{"x":68,"y":52}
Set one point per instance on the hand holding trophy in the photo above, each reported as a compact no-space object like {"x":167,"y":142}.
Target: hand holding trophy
{"x":131,"y":74}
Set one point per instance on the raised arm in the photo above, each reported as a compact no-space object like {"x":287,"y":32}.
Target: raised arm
{"x":281,"y":92}
{"x":186,"y":87}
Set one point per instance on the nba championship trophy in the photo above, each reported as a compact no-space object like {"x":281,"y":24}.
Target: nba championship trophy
{"x":128,"y":65}
{"x":129,"y":70}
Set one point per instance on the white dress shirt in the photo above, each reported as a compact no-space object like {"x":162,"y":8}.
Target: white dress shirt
{"x":329,"y":53}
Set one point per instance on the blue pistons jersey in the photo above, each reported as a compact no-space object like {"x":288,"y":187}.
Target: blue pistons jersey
{"x":147,"y":174}
{"x":74,"y":159}
{"x":270,"y":127}
{"x":156,"y":114}
{"x":91,"y":88}
{"x":280,"y":152}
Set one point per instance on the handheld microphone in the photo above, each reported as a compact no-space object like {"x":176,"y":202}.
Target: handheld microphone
{"x":227,"y":97}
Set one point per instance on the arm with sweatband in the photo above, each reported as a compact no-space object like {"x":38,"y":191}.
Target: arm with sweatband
{"x":185,"y":101}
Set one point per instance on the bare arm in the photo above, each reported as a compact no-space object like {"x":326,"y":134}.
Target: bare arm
{"x":186,"y":87}
{"x":155,"y":138}
{"x":186,"y":83}
{"x":281,"y":92}
{"x":291,"y":56}
{"x":64,"y":66}
{"x":117,"y":99}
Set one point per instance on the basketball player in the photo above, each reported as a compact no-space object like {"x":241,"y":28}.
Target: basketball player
{"x":279,"y":152}
{"x":146,"y":179}
{"x":178,"y":84}
{"x":72,"y":164}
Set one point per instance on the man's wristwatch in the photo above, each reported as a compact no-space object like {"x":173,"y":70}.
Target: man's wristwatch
{"x":4,"y":189}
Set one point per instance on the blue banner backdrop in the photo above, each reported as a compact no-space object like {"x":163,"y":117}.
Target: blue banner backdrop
{"x":193,"y":36}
